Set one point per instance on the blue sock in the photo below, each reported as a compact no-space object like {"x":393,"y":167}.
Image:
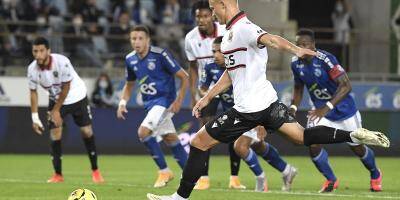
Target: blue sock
{"x":253,"y":163}
{"x":155,"y":150}
{"x":179,"y":152}
{"x":272,"y":156}
{"x":322,"y":163}
{"x":369,"y":162}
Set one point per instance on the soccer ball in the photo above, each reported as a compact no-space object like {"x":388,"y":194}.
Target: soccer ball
{"x":82,"y":194}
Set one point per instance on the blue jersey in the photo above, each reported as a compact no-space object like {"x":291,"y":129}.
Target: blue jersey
{"x":212,"y":74}
{"x":319,"y":77}
{"x":155,"y":74}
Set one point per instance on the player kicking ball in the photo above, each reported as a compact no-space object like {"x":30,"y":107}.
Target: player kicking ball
{"x":256,"y":102}
{"x":329,"y":89}
{"x":67,"y":96}
{"x":251,"y":143}
{"x":155,"y":70}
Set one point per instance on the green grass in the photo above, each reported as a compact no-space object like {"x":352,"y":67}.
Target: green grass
{"x":23,"y":177}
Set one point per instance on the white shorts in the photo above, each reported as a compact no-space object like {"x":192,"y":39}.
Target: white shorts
{"x":253,"y":135}
{"x":350,"y":124}
{"x":159,"y":120}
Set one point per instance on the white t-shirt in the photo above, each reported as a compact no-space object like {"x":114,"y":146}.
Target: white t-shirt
{"x":198,"y":47}
{"x":246,"y":62}
{"x":60,"y":71}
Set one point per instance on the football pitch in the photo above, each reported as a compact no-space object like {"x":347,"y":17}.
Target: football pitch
{"x":23,"y":177}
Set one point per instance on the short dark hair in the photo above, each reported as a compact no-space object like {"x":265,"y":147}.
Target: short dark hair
{"x":306,"y":32}
{"x":141,"y":28}
{"x":41,"y":41}
{"x":201,"y":4}
{"x":218,"y":40}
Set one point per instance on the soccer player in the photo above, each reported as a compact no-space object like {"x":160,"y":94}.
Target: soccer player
{"x":67,"y":96}
{"x":253,"y":138}
{"x":329,"y":89}
{"x":256,"y":102}
{"x":198,"y":45}
{"x":155,"y":70}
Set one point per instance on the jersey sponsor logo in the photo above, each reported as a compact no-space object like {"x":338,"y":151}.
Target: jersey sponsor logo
{"x":214,"y":71}
{"x":300,"y":66}
{"x":317,"y":65}
{"x":151,"y":65}
{"x":148,"y":89}
{"x":133,"y":62}
{"x":320,"y":93}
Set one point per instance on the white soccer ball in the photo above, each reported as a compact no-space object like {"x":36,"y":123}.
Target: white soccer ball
{"x":82,"y":194}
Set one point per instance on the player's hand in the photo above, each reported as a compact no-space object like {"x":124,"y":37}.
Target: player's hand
{"x":317,"y":114}
{"x":193,"y":103}
{"x":121,"y":111}
{"x":175,"y":106}
{"x":203,"y":102}
{"x":292,"y":111}
{"x":38,"y":128}
{"x":305,"y":53}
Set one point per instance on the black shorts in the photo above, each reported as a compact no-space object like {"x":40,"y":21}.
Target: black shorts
{"x":230,"y":125}
{"x":80,"y":112}
{"x":211,"y":109}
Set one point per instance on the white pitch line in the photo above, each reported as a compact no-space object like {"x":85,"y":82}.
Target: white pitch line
{"x":305,"y":193}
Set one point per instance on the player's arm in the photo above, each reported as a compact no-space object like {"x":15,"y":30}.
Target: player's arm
{"x":281,"y":44}
{"x":222,"y":84}
{"x":125,"y":96}
{"x":297,"y":97}
{"x":55,"y":115}
{"x":184,"y":79}
{"x":36,"y":123}
{"x":193,"y":77}
{"x":344,"y":88}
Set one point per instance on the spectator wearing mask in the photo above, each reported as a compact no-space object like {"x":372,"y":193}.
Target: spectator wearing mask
{"x":103,"y":94}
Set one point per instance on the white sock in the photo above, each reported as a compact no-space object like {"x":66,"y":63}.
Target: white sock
{"x":286,"y":170}
{"x":165,"y":170}
{"x":262,"y":175}
{"x":176,"y":196}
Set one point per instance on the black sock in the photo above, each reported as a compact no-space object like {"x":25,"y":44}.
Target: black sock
{"x":205,"y":173}
{"x":56,"y":155}
{"x":325,"y":135}
{"x":235,"y":160}
{"x":91,"y":149}
{"x":193,"y":170}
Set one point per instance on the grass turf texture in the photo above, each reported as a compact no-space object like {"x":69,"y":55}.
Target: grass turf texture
{"x":131,"y":177}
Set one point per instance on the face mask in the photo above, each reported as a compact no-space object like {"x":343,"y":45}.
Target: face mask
{"x":41,"y":20}
{"x":339,"y":7}
{"x":103,"y":84}
{"x":77,"y":21}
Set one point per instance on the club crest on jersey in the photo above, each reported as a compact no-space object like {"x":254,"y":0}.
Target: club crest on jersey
{"x":317,"y":72}
{"x":55,"y":74}
{"x":230,"y":36}
{"x":151,"y":66}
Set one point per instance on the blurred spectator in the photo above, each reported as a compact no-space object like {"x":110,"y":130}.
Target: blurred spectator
{"x":119,"y":34}
{"x":171,"y":12}
{"x":341,"y":22}
{"x":103,"y":95}
{"x":117,"y":8}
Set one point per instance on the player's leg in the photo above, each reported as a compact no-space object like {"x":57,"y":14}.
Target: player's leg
{"x":234,"y":181}
{"x":271,"y":155}
{"x":56,"y":153}
{"x":83,"y":118}
{"x":172,"y":140}
{"x":319,"y":157}
{"x":207,"y":114}
{"x":367,"y":157}
{"x":220,"y":129}
{"x":242,"y":148}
